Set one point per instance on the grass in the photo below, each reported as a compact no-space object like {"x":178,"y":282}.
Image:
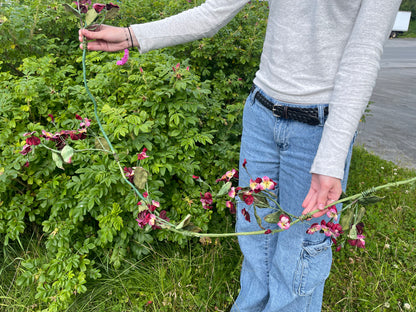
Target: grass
{"x":204,"y":277}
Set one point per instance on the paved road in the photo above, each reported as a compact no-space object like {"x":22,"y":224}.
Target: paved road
{"x":390,"y":130}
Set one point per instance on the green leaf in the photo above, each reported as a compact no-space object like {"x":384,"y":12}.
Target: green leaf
{"x":112,"y":13}
{"x":260,"y":201}
{"x":360,"y":215}
{"x":273,"y":217}
{"x":224,"y":189}
{"x":101,"y":143}
{"x":184,"y":222}
{"x":67,"y":153}
{"x":140,"y":177}
{"x":258,"y":219}
{"x":192,"y":228}
{"x":346,"y":218}
{"x":70,"y":9}
{"x":353,"y":232}
{"x":58,"y":160}
{"x":372,"y":199}
{"x":90,"y":17}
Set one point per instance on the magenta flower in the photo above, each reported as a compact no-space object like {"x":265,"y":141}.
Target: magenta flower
{"x":256,"y":185}
{"x":229,"y":175}
{"x":154,"y":205}
{"x":284,"y":222}
{"x":195,"y":177}
{"x":98,"y":7}
{"x":246,"y":214}
{"x":359,"y":242}
{"x":85,"y":123}
{"x":231,"y":206}
{"x":142,"y":155}
{"x":78,"y":117}
{"x":313,"y":228}
{"x":129,"y":172}
{"x":332,"y":213}
{"x":26,"y":149}
{"x":125,"y":58}
{"x":144,"y":218}
{"x":26,"y":164}
{"x":52,"y":118}
{"x":145,"y":194}
{"x":268,"y":183}
{"x":206,"y":200}
{"x":233,"y":191}
{"x":244,"y":163}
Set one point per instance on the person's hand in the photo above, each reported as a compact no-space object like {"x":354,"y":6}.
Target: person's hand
{"x":107,"y":38}
{"x":324,"y":190}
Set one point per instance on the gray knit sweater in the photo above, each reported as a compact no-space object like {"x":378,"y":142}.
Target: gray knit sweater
{"x":315,"y":51}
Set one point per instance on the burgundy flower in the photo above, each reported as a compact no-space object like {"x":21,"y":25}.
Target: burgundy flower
{"x":26,"y":164}
{"x":206,"y":200}
{"x":244,"y":163}
{"x":248,"y":198}
{"x":246,"y":214}
{"x":129,"y":172}
{"x":110,"y":5}
{"x":145,"y":217}
{"x":33,"y":140}
{"x":142,"y":155}
{"x":268,"y":231}
{"x":26,"y":149}
{"x":78,"y":117}
{"x":231,"y":206}
{"x":52,"y":118}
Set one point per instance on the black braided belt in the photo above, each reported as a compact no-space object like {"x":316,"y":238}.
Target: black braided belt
{"x":306,"y":115}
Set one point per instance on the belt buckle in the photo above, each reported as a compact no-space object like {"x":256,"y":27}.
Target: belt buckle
{"x":275,"y":111}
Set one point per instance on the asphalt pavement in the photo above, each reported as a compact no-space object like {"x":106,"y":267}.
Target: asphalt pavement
{"x":389,"y":130}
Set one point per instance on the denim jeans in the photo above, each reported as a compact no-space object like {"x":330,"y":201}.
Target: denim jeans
{"x":285,"y":271}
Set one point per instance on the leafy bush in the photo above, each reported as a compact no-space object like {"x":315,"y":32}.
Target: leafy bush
{"x":187,"y":118}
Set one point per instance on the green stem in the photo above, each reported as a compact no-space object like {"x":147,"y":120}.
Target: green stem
{"x":116,"y":158}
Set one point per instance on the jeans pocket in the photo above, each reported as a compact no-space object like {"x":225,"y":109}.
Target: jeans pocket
{"x":313,"y":266}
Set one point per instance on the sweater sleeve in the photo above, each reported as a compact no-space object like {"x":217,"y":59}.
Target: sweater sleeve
{"x":200,"y":22}
{"x":354,"y":83}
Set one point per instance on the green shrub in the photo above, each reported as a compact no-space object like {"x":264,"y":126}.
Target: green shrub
{"x":187,"y":118}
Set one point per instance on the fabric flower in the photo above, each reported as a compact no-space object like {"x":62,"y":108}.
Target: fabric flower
{"x":26,"y":149}
{"x":98,"y":7}
{"x":313,"y":228}
{"x":142,"y":155}
{"x":284,"y":222}
{"x":125,"y":58}
{"x":359,"y":242}
{"x":332,"y":213}
{"x":33,"y":140}
{"x":246,"y":214}
{"x":229,"y":204}
{"x":206,"y":200}
{"x":248,"y":198}
{"x":268,"y":183}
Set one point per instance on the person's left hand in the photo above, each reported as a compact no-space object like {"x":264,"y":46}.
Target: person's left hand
{"x":323,"y":191}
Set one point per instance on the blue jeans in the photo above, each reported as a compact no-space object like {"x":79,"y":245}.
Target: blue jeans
{"x":285,"y":271}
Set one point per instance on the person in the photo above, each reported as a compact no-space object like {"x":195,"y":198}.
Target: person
{"x":318,"y":67}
